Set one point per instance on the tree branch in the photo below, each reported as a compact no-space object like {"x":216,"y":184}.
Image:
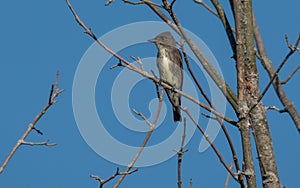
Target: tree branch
{"x":290,"y":76}
{"x":102,"y":182}
{"x":54,"y":92}
{"x":210,"y":143}
{"x":267,"y":64}
{"x":152,"y":126}
{"x":228,"y":177}
{"x":227,"y":26}
{"x":275,"y":75}
{"x":179,"y":156}
{"x":207,"y":7}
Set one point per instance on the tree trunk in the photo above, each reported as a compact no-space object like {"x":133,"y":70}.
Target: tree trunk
{"x":248,"y":94}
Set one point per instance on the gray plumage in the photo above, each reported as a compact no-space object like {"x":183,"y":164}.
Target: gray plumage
{"x":169,"y":63}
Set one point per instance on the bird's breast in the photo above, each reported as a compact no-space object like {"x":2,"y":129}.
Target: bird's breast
{"x":168,"y":70}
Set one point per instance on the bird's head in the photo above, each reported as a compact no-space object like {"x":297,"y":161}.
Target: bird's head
{"x":164,"y":38}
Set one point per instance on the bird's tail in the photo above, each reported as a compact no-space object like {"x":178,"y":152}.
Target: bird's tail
{"x":176,"y":113}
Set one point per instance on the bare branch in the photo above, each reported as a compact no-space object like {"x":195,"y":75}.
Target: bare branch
{"x":186,"y":59}
{"x":210,"y":143}
{"x":102,"y":182}
{"x":267,"y":64}
{"x":276,"y":109}
{"x":293,"y":49}
{"x":45,"y":143}
{"x":208,"y":116}
{"x":38,"y":131}
{"x":134,"y":3}
{"x":144,"y":118}
{"x":207,"y":7}
{"x":180,"y":154}
{"x":228,"y":176}
{"x":226,"y":25}
{"x":109,"y":2}
{"x":152,"y":126}
{"x":291,"y":75}
{"x":54,"y":91}
{"x":142,"y":2}
{"x":139,"y":61}
{"x":203,"y":93}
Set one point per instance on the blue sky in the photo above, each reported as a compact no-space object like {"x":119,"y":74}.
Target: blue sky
{"x":40,"y":37}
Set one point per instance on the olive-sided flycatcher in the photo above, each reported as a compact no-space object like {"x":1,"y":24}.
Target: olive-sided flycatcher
{"x":169,"y":63}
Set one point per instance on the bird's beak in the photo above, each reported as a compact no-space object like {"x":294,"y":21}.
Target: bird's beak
{"x":152,"y":40}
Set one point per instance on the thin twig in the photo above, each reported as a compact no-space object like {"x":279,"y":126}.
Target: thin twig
{"x":102,"y":182}
{"x":180,"y":154}
{"x":226,"y":25}
{"x":276,"y":109}
{"x":267,"y":64}
{"x":207,"y":7}
{"x":228,"y":176}
{"x":54,"y":93}
{"x":109,"y":2}
{"x":45,"y":143}
{"x":208,"y":116}
{"x":141,"y":2}
{"x":210,"y":143}
{"x":291,"y":75}
{"x":152,"y":126}
{"x":139,"y":61}
{"x":293,"y":49}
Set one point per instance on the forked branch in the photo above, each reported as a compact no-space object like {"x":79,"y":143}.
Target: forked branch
{"x":54,"y":92}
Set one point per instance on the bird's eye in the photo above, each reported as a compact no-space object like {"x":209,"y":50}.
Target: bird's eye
{"x":163,"y":38}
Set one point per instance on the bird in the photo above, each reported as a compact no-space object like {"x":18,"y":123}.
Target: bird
{"x":169,"y":64}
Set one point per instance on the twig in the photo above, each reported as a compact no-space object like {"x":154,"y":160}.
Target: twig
{"x":180,"y":154}
{"x":228,"y":176}
{"x":267,"y":64}
{"x":275,"y":108}
{"x":45,"y":143}
{"x":144,"y":73}
{"x":117,"y":65}
{"x":102,"y":182}
{"x":38,"y":131}
{"x":291,"y":75}
{"x":208,"y":116}
{"x":152,"y":126}
{"x":210,"y":143}
{"x":141,"y":2}
{"x":211,"y":10}
{"x":54,"y":93}
{"x":109,"y":2}
{"x":226,"y":25}
{"x":186,"y":59}
{"x":292,"y":48}
{"x":139,"y":61}
{"x":207,"y":7}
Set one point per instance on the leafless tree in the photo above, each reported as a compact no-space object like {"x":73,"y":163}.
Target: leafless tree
{"x":248,"y":50}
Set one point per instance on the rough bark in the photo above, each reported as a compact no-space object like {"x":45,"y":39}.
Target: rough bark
{"x":249,"y":93}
